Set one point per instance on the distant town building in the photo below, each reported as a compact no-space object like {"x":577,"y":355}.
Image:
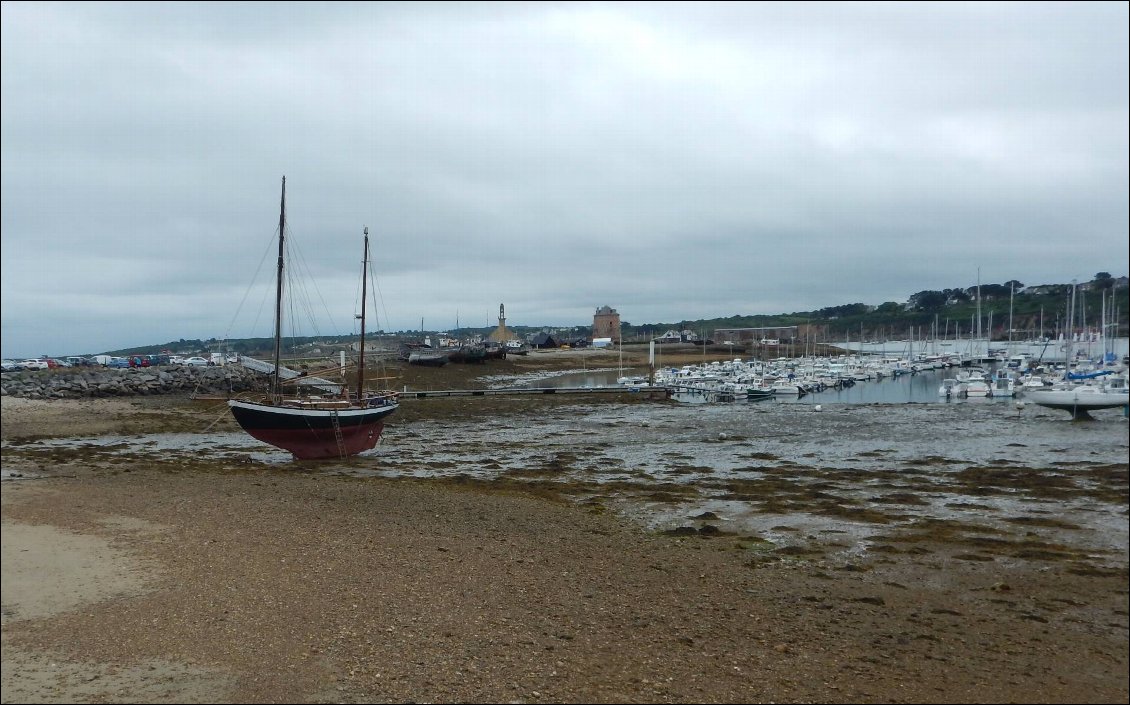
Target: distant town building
{"x":544,"y":340}
{"x":678,"y":336}
{"x":606,"y":324}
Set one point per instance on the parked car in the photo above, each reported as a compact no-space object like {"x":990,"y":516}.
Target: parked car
{"x":11,"y":366}
{"x":196,"y":361}
{"x":34,"y":364}
{"x":118,"y":362}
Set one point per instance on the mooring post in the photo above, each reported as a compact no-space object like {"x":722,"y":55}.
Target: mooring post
{"x":651,"y":364}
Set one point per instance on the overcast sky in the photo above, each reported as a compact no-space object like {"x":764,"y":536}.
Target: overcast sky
{"x":673,"y":161}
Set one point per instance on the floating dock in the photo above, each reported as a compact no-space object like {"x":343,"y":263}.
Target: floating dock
{"x":647,"y":392}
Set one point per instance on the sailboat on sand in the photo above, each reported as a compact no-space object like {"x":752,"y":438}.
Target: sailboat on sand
{"x":316,"y":427}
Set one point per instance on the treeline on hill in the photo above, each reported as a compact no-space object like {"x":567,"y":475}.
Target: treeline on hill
{"x":1035,"y":309}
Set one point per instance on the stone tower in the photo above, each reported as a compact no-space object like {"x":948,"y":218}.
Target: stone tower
{"x":606,"y":324}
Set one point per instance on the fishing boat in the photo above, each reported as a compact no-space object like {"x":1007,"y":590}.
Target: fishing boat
{"x":320,"y":426}
{"x":428,"y":358}
{"x":466,"y":353}
{"x":757,"y":393}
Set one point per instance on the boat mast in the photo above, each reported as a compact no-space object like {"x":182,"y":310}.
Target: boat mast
{"x":364,"y":295}
{"x":1083,"y":321}
{"x":1070,"y":333}
{"x":276,"y":387}
{"x":979,"y":306}
{"x":1103,"y":327}
{"x":1011,"y":294}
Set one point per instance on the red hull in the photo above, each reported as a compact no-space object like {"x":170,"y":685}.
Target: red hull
{"x":313,"y":434}
{"x":313,"y":445}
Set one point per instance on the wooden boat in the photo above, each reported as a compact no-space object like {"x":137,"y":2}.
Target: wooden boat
{"x":322,"y":426}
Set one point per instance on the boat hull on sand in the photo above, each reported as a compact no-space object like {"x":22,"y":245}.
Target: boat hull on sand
{"x":310,"y":433}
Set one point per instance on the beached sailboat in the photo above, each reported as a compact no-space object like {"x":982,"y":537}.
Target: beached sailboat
{"x":316,"y":427}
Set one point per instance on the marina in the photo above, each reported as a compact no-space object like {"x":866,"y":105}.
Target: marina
{"x":851,"y":380}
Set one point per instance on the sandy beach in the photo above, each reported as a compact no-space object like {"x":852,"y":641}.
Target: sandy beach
{"x":139,"y":581}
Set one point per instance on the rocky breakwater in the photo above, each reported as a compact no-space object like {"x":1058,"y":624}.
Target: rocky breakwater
{"x":99,"y":382}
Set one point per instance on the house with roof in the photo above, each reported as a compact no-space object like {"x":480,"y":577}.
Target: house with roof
{"x":544,"y":340}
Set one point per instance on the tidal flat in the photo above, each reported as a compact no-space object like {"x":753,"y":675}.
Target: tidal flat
{"x":990,"y":480}
{"x":571,"y":550}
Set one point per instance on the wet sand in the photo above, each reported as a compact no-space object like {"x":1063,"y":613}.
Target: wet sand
{"x":138,"y":578}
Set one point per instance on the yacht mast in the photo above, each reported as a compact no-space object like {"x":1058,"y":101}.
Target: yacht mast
{"x":364,"y":296}
{"x":978,"y":305}
{"x":276,"y":385}
{"x":1070,"y":333}
{"x":1011,"y":293}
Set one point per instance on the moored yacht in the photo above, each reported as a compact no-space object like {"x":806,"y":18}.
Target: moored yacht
{"x":1078,"y":399}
